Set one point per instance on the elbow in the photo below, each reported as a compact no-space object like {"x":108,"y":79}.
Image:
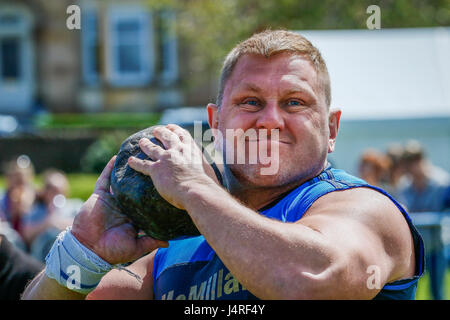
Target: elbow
{"x":336,"y":281}
{"x":312,"y":285}
{"x":320,"y":285}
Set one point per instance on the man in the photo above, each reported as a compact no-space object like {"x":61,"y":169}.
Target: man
{"x":47,"y":213}
{"x":17,"y":200}
{"x":428,"y":183}
{"x":425,"y":192}
{"x":270,"y":236}
{"x":16,"y":269}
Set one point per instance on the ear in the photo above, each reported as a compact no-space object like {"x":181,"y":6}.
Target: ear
{"x":213,"y":115}
{"x":333,"y":124}
{"x":213,"y":121}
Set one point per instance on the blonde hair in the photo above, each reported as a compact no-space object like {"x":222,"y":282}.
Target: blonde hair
{"x":269,"y":43}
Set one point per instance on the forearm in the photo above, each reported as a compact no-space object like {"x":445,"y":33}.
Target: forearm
{"x":44,"y":288}
{"x":270,"y":258}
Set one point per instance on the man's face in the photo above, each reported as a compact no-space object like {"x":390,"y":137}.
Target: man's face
{"x":278,"y":93}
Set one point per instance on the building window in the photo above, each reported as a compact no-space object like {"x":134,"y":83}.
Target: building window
{"x":10,"y":59}
{"x":17,"y":82}
{"x":130,"y":46}
{"x":90,"y":46}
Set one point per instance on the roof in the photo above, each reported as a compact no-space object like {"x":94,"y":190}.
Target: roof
{"x":387,"y":73}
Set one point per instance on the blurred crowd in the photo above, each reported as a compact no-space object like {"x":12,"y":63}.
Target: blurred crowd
{"x":406,"y":173}
{"x":31,"y":217}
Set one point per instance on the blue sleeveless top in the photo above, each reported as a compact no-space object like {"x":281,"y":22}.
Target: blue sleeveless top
{"x":190,"y":269}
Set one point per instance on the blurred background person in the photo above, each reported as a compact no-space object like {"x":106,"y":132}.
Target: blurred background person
{"x":17,"y":268}
{"x":428,"y":183}
{"x":373,"y":167}
{"x":426,"y":192}
{"x":52,"y":212}
{"x":17,"y":199}
{"x":396,"y":176}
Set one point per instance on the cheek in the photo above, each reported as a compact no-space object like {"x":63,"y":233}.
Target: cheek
{"x":311,"y":138}
{"x":310,"y":129}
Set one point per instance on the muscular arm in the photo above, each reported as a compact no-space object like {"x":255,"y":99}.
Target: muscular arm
{"x":119,"y":285}
{"x":44,"y":288}
{"x":323,"y":256}
{"x":116,"y":285}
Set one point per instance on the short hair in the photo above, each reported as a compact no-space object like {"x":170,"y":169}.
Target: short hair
{"x":54,"y":176}
{"x":395,"y":152}
{"x":376,"y":159}
{"x":269,"y":43}
{"x":413,"y":151}
{"x":14,"y":166}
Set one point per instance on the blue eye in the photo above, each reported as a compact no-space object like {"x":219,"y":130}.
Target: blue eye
{"x":294,"y":103}
{"x":252,"y":102}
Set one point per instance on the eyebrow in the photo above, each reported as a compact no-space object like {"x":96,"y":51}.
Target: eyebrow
{"x":255,"y":88}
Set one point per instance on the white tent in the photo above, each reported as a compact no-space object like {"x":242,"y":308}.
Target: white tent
{"x":387,"y":73}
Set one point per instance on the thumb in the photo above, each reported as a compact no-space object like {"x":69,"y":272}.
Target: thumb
{"x":146,"y":244}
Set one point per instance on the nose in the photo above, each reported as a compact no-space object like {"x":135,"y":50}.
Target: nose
{"x":270,"y":117}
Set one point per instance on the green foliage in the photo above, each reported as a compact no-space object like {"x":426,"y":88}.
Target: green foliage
{"x":99,"y":153}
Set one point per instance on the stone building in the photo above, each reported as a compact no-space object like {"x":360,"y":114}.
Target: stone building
{"x":124,"y":57}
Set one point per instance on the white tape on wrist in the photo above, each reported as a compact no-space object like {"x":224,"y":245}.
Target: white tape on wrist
{"x":74,"y":266}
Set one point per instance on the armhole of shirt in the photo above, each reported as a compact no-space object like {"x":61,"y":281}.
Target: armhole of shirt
{"x":334,"y":185}
{"x":155,"y":270}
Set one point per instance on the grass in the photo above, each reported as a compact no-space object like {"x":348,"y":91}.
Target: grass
{"x":424,"y":291}
{"x":81,"y":184}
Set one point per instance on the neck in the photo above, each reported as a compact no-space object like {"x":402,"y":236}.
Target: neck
{"x":257,"y":197}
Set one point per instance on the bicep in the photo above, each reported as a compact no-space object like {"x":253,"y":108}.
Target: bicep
{"x":120,"y":285}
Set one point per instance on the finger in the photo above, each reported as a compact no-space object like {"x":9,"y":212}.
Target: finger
{"x":103,"y":182}
{"x":182,"y":134}
{"x":152,"y":150}
{"x":147,"y":244}
{"x":167,"y":137}
{"x":142,"y":166}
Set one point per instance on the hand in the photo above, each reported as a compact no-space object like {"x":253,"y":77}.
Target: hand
{"x":176,"y":168}
{"x":101,"y":227}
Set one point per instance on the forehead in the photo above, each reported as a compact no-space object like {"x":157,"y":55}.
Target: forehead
{"x":281,"y":69}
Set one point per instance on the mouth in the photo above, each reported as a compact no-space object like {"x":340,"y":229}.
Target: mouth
{"x":267,"y":141}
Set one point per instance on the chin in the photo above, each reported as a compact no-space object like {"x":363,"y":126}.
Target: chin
{"x":251,"y":176}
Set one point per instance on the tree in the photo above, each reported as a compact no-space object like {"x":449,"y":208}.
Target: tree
{"x":210,"y":28}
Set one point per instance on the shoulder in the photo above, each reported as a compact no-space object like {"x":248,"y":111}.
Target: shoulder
{"x":374,"y":227}
{"x":118,"y":284}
